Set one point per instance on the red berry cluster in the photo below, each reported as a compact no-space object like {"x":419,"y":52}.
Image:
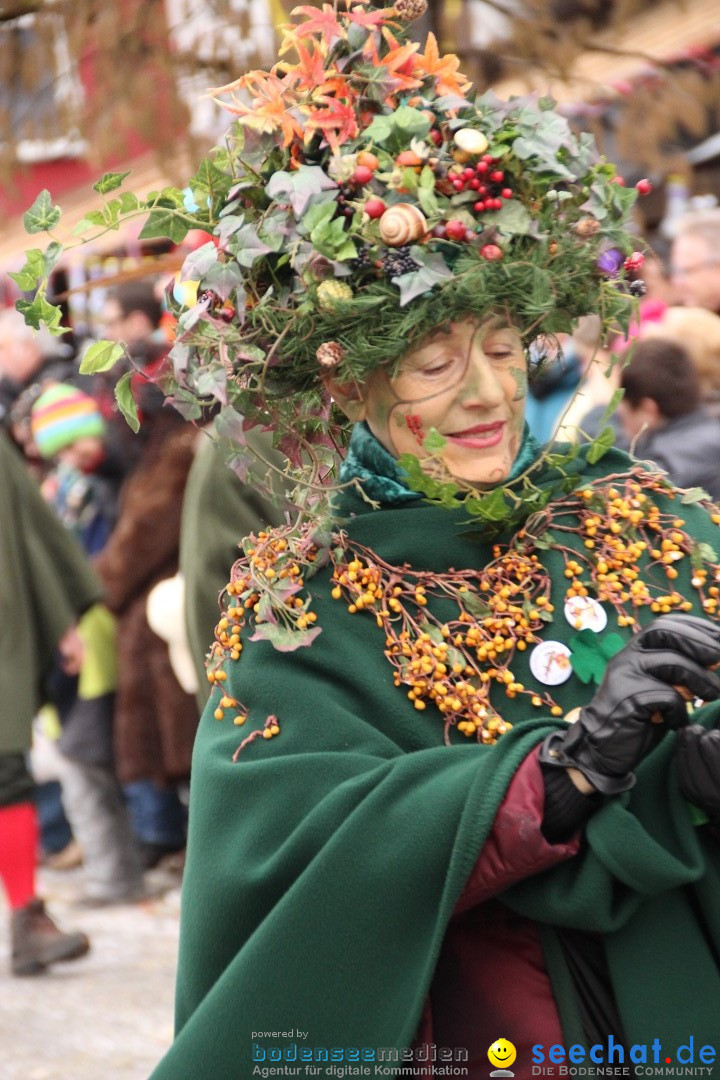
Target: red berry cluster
{"x":488,"y":182}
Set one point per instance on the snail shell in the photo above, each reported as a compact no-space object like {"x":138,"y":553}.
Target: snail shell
{"x":401,"y":224}
{"x":470,"y":140}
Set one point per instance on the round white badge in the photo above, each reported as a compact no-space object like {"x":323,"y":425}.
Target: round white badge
{"x":585,"y":613}
{"x":550,"y":663}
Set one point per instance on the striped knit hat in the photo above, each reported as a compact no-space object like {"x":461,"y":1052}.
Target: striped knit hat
{"x":62,"y":415}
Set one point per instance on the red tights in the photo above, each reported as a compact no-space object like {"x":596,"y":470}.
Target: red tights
{"x":18,"y":848}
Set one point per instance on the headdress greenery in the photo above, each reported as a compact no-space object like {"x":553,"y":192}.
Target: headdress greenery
{"x":362,"y":198}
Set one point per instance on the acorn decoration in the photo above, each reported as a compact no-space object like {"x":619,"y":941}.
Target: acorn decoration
{"x":329,"y":354}
{"x":330,"y":292}
{"x":402,"y":224}
{"x":470,"y":141}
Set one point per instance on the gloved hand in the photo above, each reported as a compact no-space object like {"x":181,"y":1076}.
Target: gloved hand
{"x":638,"y":701}
{"x":697,"y":760}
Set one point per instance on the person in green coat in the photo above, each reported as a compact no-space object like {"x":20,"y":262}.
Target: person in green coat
{"x":47,"y":586}
{"x":448,"y":812}
{"x":218,"y":510}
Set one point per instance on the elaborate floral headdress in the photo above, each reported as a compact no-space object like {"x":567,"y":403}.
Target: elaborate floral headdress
{"x":366,"y":198}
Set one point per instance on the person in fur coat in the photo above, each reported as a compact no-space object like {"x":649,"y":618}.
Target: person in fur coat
{"x":155,"y":719}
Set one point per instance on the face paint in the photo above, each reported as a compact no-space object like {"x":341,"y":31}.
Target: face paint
{"x":520,"y":377}
{"x":465,"y":382}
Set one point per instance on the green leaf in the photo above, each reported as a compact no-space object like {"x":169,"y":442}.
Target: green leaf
{"x":694,"y":495}
{"x":492,"y":507}
{"x":32,"y":272}
{"x":399,"y":128}
{"x":101,"y":356}
{"x":42,"y":215}
{"x":124,"y":204}
{"x":513,"y":219}
{"x":109,"y":181}
{"x":39,"y":312}
{"x":434,"y":442}
{"x":600,"y":446}
{"x":611,"y":406}
{"x":92,"y":219}
{"x":210,"y":182}
{"x":126,"y":401}
{"x":283,"y":638}
{"x":166,"y":222}
{"x":590,"y":653}
{"x":428,"y":202}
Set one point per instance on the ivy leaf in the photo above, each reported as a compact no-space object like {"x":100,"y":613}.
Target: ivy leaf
{"x":396,"y":130}
{"x":126,"y":401}
{"x":492,"y":507}
{"x":694,"y":495}
{"x":600,"y":446}
{"x":210,"y":182}
{"x":101,"y":356}
{"x":434,"y":442}
{"x":225,"y":277}
{"x":513,"y":219}
{"x":166,"y":222}
{"x":701,"y":554}
{"x":42,"y":215}
{"x":331,"y":240}
{"x":37,"y":266}
{"x":92,"y":219}
{"x":125,"y":203}
{"x":40,"y":312}
{"x":198,"y":262}
{"x":611,"y":406}
{"x":247,"y":246}
{"x":423,"y":280}
{"x":299,"y":186}
{"x":283,"y":639}
{"x":109,"y":181}
{"x":590,"y":653}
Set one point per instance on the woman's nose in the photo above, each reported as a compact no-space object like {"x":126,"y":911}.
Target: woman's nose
{"x":481,"y":387}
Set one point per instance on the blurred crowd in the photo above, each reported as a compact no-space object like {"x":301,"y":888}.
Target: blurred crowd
{"x":154,"y":518}
{"x":668,"y":365}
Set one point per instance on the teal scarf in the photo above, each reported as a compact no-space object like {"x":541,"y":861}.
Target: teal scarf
{"x":384,"y":481}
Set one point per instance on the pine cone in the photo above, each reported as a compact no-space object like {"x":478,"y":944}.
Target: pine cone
{"x":410,"y":9}
{"x":329,"y":354}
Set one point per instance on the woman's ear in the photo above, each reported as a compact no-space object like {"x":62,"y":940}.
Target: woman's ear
{"x":349,"y":396}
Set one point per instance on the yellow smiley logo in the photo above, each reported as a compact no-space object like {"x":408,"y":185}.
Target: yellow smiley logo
{"x":502,"y":1053}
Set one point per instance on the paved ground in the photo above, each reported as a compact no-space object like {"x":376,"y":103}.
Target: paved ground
{"x":107,"y":1016}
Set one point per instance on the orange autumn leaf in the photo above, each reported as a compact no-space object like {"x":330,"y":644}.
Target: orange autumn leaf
{"x":310,"y":72}
{"x":444,"y":69}
{"x":323,"y":22}
{"x":370,"y":19}
{"x":271,"y":107}
{"x":338,"y":122}
{"x":338,"y":87}
{"x":399,"y":57}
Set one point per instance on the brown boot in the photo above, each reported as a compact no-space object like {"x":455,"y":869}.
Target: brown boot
{"x":37,"y":942}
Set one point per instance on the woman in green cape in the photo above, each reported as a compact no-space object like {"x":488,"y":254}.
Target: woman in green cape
{"x":446,"y":799}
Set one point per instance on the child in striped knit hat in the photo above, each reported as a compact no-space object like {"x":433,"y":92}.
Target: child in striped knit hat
{"x":69,"y":430}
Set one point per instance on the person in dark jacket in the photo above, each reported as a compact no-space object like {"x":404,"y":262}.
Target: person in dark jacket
{"x":663,"y":418}
{"x":47,"y":585}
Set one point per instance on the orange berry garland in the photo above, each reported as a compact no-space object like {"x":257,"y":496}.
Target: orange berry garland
{"x":451,"y":638}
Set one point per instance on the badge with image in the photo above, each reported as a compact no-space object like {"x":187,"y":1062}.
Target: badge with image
{"x":502,"y":1053}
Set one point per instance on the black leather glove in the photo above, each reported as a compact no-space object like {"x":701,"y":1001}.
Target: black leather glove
{"x":697,"y":760}
{"x":637,"y":701}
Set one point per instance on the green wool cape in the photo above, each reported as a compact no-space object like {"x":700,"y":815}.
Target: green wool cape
{"x":45,"y":585}
{"x":324,"y":865}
